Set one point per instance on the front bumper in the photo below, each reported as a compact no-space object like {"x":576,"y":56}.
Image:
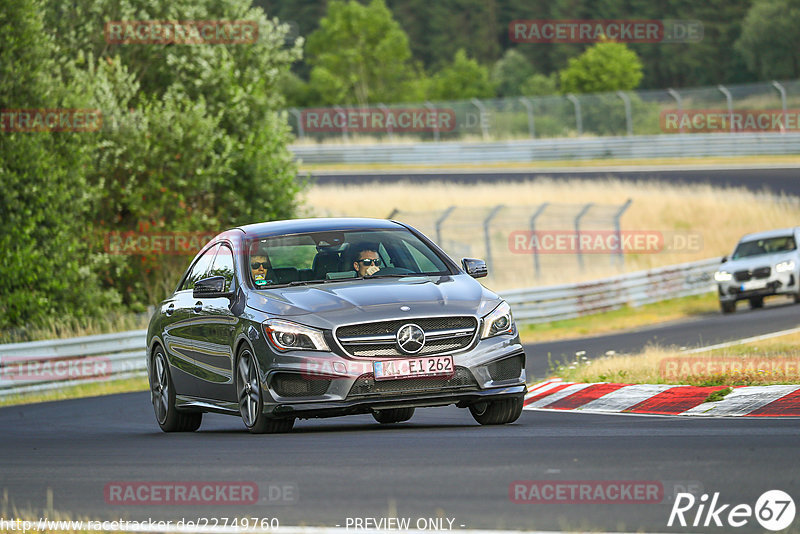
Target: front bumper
{"x":776,"y":284}
{"x":307,"y":385}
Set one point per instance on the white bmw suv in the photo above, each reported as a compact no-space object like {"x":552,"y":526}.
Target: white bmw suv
{"x":763,"y":264}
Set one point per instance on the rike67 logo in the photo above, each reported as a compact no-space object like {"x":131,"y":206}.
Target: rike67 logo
{"x":774,"y":510}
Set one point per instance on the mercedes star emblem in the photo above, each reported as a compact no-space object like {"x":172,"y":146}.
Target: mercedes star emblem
{"x":410,"y":338}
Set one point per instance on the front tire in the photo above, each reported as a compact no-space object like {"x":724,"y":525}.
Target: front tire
{"x":499,"y":412}
{"x":163,"y":394}
{"x":393,"y":415}
{"x":728,"y":307}
{"x":756,"y":302}
{"x":251,"y":406}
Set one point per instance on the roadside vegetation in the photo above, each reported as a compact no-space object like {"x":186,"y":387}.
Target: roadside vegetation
{"x":759,"y":363}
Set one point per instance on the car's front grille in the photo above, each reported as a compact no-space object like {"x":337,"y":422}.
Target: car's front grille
{"x":378,"y":339}
{"x":744,"y":276}
{"x":366,"y":384}
{"x":507,"y":369}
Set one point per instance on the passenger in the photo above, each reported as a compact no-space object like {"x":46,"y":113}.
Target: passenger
{"x":366,"y":261}
{"x":261,"y":269}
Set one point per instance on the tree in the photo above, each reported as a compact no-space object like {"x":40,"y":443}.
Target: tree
{"x":47,"y":269}
{"x":606,"y":66}
{"x":463,"y":78}
{"x":510,"y":73}
{"x":359,"y":55}
{"x":770,"y":42}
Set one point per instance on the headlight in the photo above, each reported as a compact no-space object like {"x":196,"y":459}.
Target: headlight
{"x":723,"y":276}
{"x":784,"y":266}
{"x":286,"y":335}
{"x":500,"y":321}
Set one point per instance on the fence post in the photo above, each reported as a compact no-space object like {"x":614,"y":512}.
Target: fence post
{"x":628,"y":115}
{"x":617,"y":217}
{"x":486,"y":234}
{"x":430,"y":108}
{"x":300,"y":132}
{"x":481,"y":112}
{"x":439,"y":223}
{"x":578,"y":119}
{"x":531,"y":124}
{"x":532,"y":225}
{"x":782,"y":91}
{"x":729,"y":98}
{"x":578,"y":218}
{"x":674,"y":94}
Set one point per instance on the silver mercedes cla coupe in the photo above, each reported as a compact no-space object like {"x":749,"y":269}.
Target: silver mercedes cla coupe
{"x":328,"y":317}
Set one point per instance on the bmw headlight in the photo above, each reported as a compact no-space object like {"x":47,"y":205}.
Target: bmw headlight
{"x":286,"y":335}
{"x":499,"y":321}
{"x":784,"y":266}
{"x":723,"y":276}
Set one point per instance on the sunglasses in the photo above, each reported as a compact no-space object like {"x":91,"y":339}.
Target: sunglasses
{"x":254,"y":265}
{"x":369,"y":261}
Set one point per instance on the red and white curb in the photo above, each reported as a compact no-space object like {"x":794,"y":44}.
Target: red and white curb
{"x":663,"y":399}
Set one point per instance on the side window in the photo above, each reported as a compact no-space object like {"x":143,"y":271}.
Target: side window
{"x":199,"y":269}
{"x":223,"y":265}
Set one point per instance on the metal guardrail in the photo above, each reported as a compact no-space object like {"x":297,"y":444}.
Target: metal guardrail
{"x":552,"y":303}
{"x":53,"y":364}
{"x":646,"y":146}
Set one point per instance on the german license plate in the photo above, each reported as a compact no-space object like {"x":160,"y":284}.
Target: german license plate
{"x":413,"y":367}
{"x":754,"y":284}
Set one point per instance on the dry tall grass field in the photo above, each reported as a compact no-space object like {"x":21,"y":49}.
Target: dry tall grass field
{"x":718,"y":217}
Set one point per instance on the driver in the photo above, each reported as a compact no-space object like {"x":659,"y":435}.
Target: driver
{"x":366,"y":261}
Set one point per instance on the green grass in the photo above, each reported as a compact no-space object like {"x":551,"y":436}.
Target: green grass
{"x":621,"y":319}
{"x":79,"y":391}
{"x":718,"y":395}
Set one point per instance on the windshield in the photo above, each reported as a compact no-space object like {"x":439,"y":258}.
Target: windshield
{"x":319,"y":257}
{"x":756,"y":247}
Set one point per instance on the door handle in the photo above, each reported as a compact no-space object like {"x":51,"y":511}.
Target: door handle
{"x":170,"y":309}
{"x":198,"y":307}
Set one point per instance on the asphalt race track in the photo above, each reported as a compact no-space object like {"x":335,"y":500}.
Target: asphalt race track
{"x":774,"y":179}
{"x":441,"y":464}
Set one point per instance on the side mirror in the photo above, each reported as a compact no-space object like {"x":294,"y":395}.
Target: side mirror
{"x":724,"y":259}
{"x":474,"y":267}
{"x":211,"y":287}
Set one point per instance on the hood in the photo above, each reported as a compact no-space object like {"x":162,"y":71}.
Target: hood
{"x":754,"y":262}
{"x":329,"y":304}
